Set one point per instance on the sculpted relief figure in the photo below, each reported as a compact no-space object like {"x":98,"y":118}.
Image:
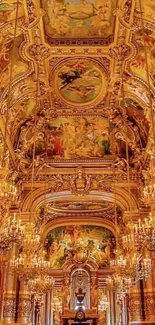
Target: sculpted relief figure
{"x":80,"y":183}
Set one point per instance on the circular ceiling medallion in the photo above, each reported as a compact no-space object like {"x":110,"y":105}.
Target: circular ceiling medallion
{"x":80,"y":81}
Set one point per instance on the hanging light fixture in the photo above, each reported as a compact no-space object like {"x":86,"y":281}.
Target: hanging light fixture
{"x":40,"y":284}
{"x":12,"y":231}
{"x":37,"y":287}
{"x":32,"y":239}
{"x":104,"y":303}
{"x":150,"y":225}
{"x":28,"y":266}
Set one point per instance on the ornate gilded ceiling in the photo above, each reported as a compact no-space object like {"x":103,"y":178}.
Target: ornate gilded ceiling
{"x":77,"y":80}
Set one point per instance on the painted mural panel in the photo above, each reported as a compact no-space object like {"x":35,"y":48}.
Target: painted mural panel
{"x":72,"y":243}
{"x":80,"y":81}
{"x":8,"y":11}
{"x":144,"y":63}
{"x":79,"y":18}
{"x":148,"y":10}
{"x":82,"y":206}
{"x":6,"y":60}
{"x":67,"y":138}
{"x":79,"y":137}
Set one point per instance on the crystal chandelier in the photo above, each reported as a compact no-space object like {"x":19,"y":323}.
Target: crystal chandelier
{"x":119,"y":284}
{"x":149,"y":193}
{"x":28,"y":266}
{"x":37,"y":287}
{"x":31,"y":242}
{"x":143,"y":268}
{"x":150,"y":226}
{"x":57,"y":303}
{"x":136,"y":236}
{"x":12,"y":231}
{"x":104,"y":303}
{"x":149,"y":188}
{"x":119,"y":263}
{"x":40,"y":284}
{"x":8,"y":190}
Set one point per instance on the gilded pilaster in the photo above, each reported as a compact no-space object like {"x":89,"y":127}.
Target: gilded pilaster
{"x":135,"y":307}
{"x":9,"y":297}
{"x":24,"y":306}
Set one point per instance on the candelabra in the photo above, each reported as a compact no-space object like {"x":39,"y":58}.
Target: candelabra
{"x":149,"y":188}
{"x":119,"y":283}
{"x":104,"y":303}
{"x":37,"y":287}
{"x":143,"y":268}
{"x":57,"y":303}
{"x":12,"y":231}
{"x":119,"y":263}
{"x":29,"y":266}
{"x":40,"y":284}
{"x":31,"y":242}
{"x":136,"y":236}
{"x":8,"y":190}
{"x":150,"y":227}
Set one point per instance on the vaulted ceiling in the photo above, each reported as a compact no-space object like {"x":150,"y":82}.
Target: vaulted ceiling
{"x":77,"y":80}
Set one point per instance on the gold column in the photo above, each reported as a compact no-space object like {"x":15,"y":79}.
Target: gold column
{"x":24,"y":305}
{"x":149,"y":293}
{"x":3,"y":267}
{"x":9,"y":300}
{"x":135,"y":307}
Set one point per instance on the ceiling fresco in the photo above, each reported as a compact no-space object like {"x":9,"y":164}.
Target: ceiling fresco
{"x":82,"y":72}
{"x":8,"y":11}
{"x":67,"y":138}
{"x":80,"y":81}
{"x":142,"y":65}
{"x":78,"y":19}
{"x":78,"y":243}
{"x":78,"y":206}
